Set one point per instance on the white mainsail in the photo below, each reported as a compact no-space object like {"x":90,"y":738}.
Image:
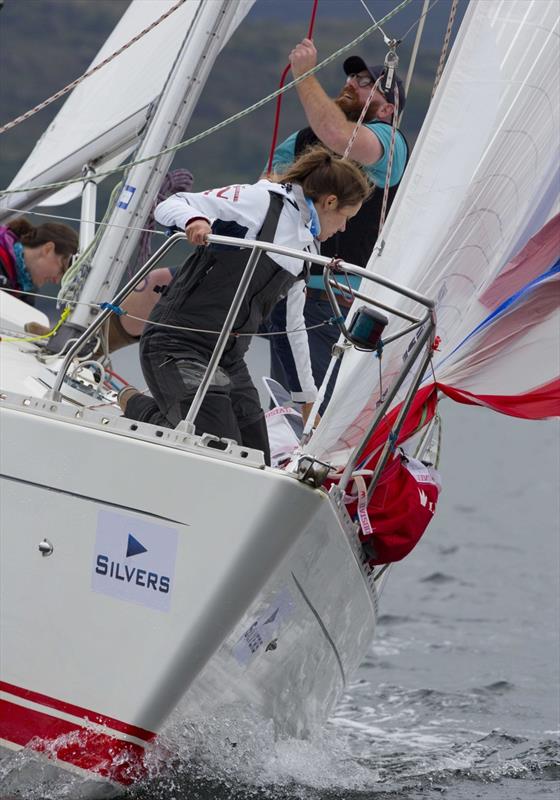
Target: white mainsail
{"x":482,"y":181}
{"x":105,"y":115}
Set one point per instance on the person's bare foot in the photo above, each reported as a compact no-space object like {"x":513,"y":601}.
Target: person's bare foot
{"x":124,"y":396}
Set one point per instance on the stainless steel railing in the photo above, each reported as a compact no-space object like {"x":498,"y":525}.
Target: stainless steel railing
{"x":425,"y":323}
{"x":91,"y":330}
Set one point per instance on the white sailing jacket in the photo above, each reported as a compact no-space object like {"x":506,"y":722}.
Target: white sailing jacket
{"x":240,"y":211}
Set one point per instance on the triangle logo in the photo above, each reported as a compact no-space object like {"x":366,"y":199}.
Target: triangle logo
{"x":133,"y":547}
{"x":272,"y":617}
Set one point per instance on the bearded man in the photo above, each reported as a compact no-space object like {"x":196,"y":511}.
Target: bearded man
{"x":333,"y":122}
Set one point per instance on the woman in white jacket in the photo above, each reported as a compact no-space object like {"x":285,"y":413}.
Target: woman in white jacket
{"x":313,"y":201}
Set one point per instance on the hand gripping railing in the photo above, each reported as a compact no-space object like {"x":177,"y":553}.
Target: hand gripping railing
{"x":426,"y":324}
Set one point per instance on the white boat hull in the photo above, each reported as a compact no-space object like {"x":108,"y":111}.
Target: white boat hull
{"x":292,"y":653}
{"x":180,"y":579}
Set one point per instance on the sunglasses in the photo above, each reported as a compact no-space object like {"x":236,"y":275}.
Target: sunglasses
{"x":361,"y":80}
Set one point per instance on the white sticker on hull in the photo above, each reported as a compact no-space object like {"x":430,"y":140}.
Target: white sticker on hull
{"x":264,"y":630}
{"x":134,"y":560}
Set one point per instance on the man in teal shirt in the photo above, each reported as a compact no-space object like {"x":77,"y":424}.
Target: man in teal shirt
{"x":333,"y":122}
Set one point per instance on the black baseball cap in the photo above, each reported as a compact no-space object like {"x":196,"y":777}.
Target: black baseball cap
{"x":355,"y":64}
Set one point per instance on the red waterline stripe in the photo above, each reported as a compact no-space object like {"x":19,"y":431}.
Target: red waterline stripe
{"x":77,"y":711}
{"x":70,"y":742}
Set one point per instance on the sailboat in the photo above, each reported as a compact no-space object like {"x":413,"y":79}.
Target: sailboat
{"x":160,"y":577}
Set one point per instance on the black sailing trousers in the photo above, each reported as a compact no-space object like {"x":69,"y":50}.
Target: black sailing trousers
{"x":231,"y":408}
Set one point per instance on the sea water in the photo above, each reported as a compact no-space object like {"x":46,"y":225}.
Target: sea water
{"x":458,"y":695}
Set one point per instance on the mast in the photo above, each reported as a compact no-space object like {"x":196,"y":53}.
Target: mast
{"x":211,"y":25}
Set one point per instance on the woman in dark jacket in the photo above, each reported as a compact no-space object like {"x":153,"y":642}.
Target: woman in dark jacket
{"x":310,"y":202}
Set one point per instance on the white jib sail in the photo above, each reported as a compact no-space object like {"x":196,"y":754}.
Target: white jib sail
{"x":483,"y":179}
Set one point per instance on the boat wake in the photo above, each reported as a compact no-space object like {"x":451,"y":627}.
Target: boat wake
{"x":392,"y":744}
{"x":382,"y":743}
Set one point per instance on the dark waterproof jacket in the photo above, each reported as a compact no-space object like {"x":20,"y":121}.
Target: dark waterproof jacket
{"x":201,"y":293}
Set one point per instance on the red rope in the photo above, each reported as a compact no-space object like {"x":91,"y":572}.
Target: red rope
{"x":279,"y":98}
{"x":117,"y":376}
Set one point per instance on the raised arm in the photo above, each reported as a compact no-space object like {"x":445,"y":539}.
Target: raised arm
{"x":326,"y":119}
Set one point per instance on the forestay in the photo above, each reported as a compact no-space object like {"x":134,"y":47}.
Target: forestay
{"x":466,"y":229}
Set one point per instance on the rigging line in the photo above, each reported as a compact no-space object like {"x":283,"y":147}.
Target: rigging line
{"x":49,"y":297}
{"x":72,"y":303}
{"x":88,"y":364}
{"x":390,"y":160}
{"x":70,"y":283}
{"x":419,"y":20}
{"x":61,"y":92}
{"x":358,"y":124}
{"x":234,"y":118}
{"x":233,"y":333}
{"x":415,"y":47}
{"x":447,"y":37}
{"x":396,"y":116}
{"x":344,"y":289}
{"x":41,"y":336}
{"x":5,"y":331}
{"x":391,"y":147}
{"x":115,"y":402}
{"x":78,"y":219}
{"x":386,"y":38}
{"x":46,"y":358}
{"x":116,"y":375}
